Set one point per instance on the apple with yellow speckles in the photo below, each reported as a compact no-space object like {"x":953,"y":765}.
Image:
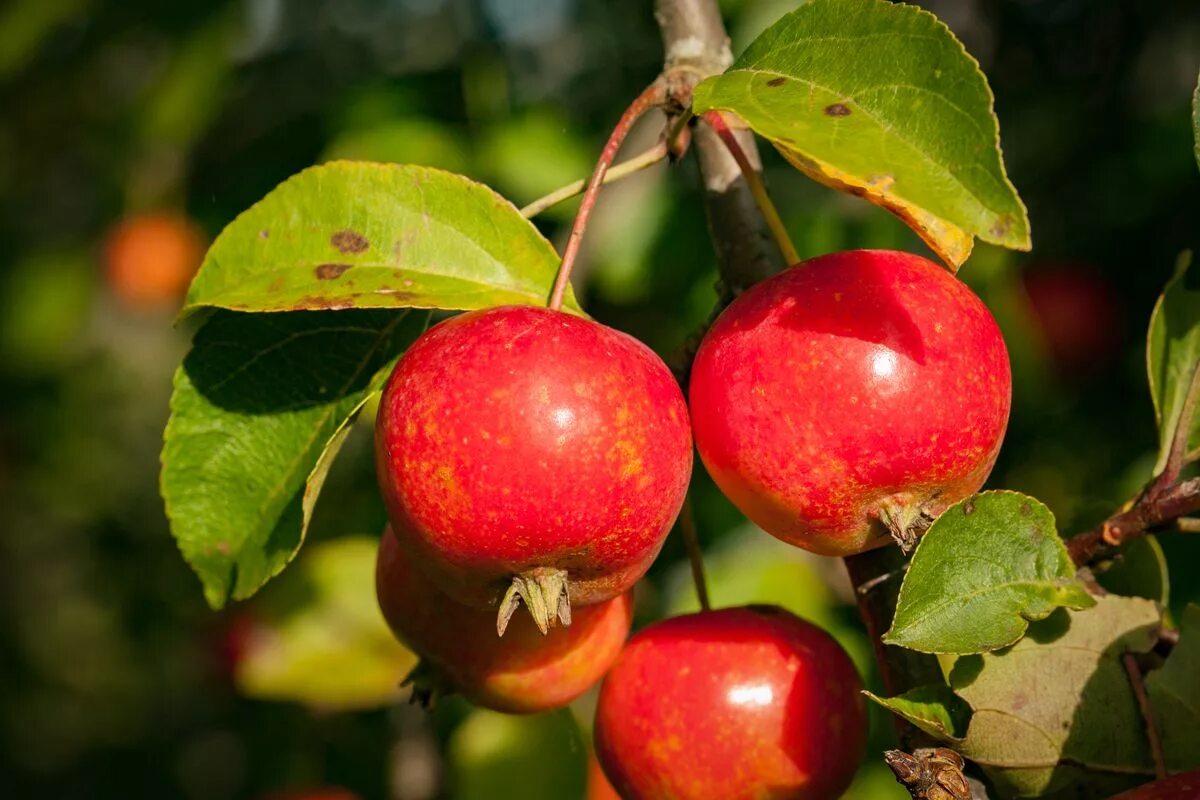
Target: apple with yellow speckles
{"x":739,"y":703}
{"x":522,"y":673}
{"x":851,"y":396}
{"x":532,"y":456}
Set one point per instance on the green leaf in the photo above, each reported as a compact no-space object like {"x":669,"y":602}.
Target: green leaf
{"x":1174,"y":692}
{"x":982,"y":571}
{"x":1173,"y":356}
{"x":261,"y":405}
{"x":1056,"y":713}
{"x":880,"y":100}
{"x":1196,"y":119}
{"x":935,"y":709}
{"x":537,"y":757}
{"x":1138,"y":569}
{"x":358,"y":235}
{"x":316,"y":637}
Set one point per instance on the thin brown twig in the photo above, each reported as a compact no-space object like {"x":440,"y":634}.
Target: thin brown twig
{"x":653,"y":95}
{"x":644,"y":159}
{"x":1148,"y":513}
{"x":1143,"y":701}
{"x":754,"y":180}
{"x":691,"y":541}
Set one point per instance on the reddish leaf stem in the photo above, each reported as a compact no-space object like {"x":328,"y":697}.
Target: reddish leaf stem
{"x":1177,"y":456}
{"x":1143,"y":701}
{"x":754,"y":180}
{"x":654,"y":95}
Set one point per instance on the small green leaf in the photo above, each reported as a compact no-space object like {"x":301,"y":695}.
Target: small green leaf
{"x":358,"y":235}
{"x":1174,"y":692}
{"x":1056,"y":711}
{"x":935,"y":709}
{"x":315,"y":637}
{"x":1173,"y":356}
{"x":879,"y":99}
{"x":260,"y":407}
{"x":982,"y":571}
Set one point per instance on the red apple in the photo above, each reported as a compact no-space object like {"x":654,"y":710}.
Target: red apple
{"x":150,"y":258}
{"x":598,"y":786}
{"x":1185,"y":786}
{"x":520,"y":449}
{"x":739,"y":703}
{"x":525,"y":672}
{"x":1079,"y":317}
{"x":851,"y":395}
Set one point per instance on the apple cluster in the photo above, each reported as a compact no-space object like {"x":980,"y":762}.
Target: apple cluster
{"x":532,"y":458}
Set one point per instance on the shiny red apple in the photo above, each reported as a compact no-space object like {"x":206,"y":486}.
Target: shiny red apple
{"x":524,"y":672}
{"x":1184,"y":786}
{"x":740,"y":703}
{"x":521,"y":450}
{"x":851,"y":395}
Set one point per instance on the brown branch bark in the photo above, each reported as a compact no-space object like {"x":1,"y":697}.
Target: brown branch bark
{"x":696,"y":45}
{"x":1150,"y":512}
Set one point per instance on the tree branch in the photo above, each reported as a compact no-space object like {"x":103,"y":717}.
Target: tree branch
{"x":1150,"y":512}
{"x":696,"y":46}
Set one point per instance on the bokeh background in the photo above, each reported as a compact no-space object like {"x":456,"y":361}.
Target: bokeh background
{"x":116,"y":681}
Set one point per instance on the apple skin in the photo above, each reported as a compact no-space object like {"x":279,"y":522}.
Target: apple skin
{"x":1184,"y":786}
{"x":746,"y":702}
{"x":848,"y":388}
{"x":518,"y":438}
{"x":522,"y":673}
{"x":151,"y":258}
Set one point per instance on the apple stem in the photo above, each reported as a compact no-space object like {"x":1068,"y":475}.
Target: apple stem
{"x":754,"y":181}
{"x":691,"y":541}
{"x":652,"y":96}
{"x":644,"y":159}
{"x":546,"y":595}
{"x":1143,"y":700}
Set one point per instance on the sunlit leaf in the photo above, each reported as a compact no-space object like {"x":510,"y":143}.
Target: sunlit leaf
{"x":259,"y":409}
{"x":316,"y":637}
{"x":879,"y":99}
{"x":1173,"y":356}
{"x":1174,"y":692}
{"x":982,"y":571}
{"x":359,"y":235}
{"x":1056,"y":712}
{"x":935,"y":709}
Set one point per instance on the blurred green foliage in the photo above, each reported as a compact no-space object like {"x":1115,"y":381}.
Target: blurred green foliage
{"x":118,"y":682}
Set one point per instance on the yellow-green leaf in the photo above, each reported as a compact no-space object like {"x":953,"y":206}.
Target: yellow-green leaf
{"x":880,"y":99}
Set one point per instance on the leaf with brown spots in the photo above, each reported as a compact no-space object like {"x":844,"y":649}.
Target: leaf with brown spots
{"x":850,"y":91}
{"x":358,"y":235}
{"x":983,"y":570}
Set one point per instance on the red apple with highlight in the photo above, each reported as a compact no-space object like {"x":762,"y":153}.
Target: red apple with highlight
{"x":852,"y":395}
{"x":529,"y":454}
